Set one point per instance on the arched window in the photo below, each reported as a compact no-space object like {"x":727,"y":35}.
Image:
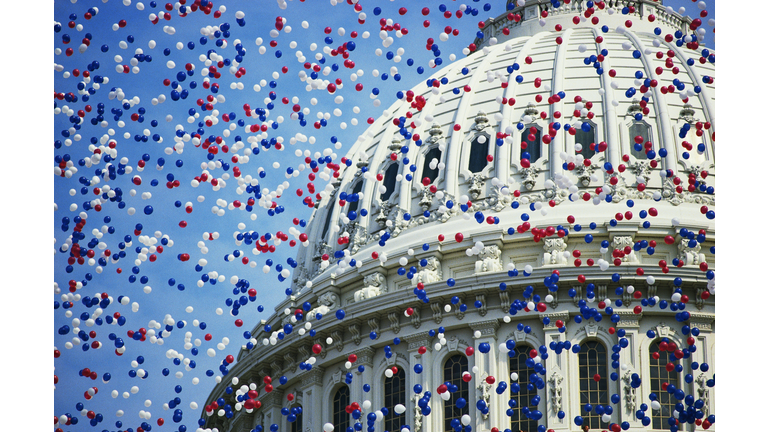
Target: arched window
{"x":426,"y":170}
{"x":478,"y":154}
{"x":531,"y":143}
{"x":454,"y":367}
{"x":340,"y":402}
{"x":390,"y":181}
{"x":593,"y":361}
{"x":587,"y":138}
{"x":517,"y":364}
{"x":641,"y":129}
{"x":659,"y":375}
{"x":354,"y":205}
{"x":394,"y":393}
{"x":297,"y":424}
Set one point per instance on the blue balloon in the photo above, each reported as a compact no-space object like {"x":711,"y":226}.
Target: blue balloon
{"x":340,"y":314}
{"x":461,"y":403}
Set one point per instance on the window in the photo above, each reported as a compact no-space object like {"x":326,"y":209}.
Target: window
{"x":593,"y":361}
{"x":394,"y":393}
{"x":517,"y":364}
{"x":639,"y":129}
{"x":353,"y":205}
{"x":390,"y":181}
{"x":531,"y":143}
{"x":659,"y":375}
{"x":426,"y":170}
{"x":340,"y":416}
{"x":454,"y":367}
{"x":296,"y":425}
{"x":587,"y":138}
{"x":478,"y":154}
{"x":327,"y":224}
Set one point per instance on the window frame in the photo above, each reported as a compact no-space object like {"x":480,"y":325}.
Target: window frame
{"x":392,"y":418}
{"x":522,"y":422}
{"x":463,"y":392}
{"x":602,"y":387}
{"x":340,"y":417}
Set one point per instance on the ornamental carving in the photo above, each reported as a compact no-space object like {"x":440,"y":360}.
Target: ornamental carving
{"x":428,"y":274}
{"x":327,"y":302}
{"x":417,"y":415}
{"x":528,"y":176}
{"x":484,"y":393}
{"x":373,"y":323}
{"x":397,"y":144}
{"x":497,"y":200}
{"x":703,"y":392}
{"x":427,"y":197}
{"x":374,"y":285}
{"x":321,"y":342}
{"x":490,"y":260}
{"x":337,"y":342}
{"x":578,"y":297}
{"x":365,"y":356}
{"x":663,"y":330}
{"x":394,"y":321}
{"x":481,"y":122}
{"x":301,"y":277}
{"x":630,"y":393}
{"x":602,"y":292}
{"x":418,"y":340}
{"x":556,"y":391}
{"x":505,"y":302}
{"x":476,"y":185}
{"x":699,"y":300}
{"x":483,"y":309}
{"x":584,"y":173}
{"x":383,"y":215}
{"x":459,"y":313}
{"x":486,"y":328}
{"x":358,"y":236}
{"x":416,"y":318}
{"x":641,"y":170}
{"x":355,"y":330}
{"x":435,"y":134}
{"x":690,"y":255}
{"x":290,"y":361}
{"x":437,"y":312}
{"x":622,"y":243}
{"x":553,"y":317}
{"x":553,"y":251}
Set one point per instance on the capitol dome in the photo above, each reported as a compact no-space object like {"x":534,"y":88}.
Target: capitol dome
{"x":552,"y":147}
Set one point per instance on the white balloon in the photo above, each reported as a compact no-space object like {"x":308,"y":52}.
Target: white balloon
{"x":445,"y":395}
{"x":399,"y":408}
{"x":514,"y":376}
{"x":466,"y":419}
{"x":328,"y":427}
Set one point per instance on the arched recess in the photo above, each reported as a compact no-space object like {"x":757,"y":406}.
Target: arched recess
{"x":455,"y":346}
{"x":378,"y":398}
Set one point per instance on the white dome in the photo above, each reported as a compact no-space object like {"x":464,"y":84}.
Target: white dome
{"x":495,"y":93}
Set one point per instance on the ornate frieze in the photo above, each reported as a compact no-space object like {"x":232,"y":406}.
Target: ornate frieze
{"x":553,"y":317}
{"x":417,"y":340}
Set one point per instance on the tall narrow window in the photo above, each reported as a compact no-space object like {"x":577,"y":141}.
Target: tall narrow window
{"x":298,"y":416}
{"x":390,"y":181}
{"x":327,"y":223}
{"x":531,"y":143}
{"x":340,"y":416}
{"x":517,"y":364}
{"x":354,"y":205}
{"x":586,"y":137}
{"x":427,"y":170}
{"x":478,"y":154}
{"x":643,"y":130}
{"x":455,"y":366}
{"x":593,"y":362}
{"x":394,"y":393}
{"x":659,"y":375}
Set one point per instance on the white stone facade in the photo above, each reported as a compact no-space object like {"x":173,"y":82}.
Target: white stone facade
{"x":374,"y":294}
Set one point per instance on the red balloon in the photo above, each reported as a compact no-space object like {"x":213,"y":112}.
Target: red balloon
{"x":317,"y":349}
{"x":470,"y":351}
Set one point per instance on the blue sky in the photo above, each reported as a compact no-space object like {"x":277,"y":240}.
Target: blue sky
{"x":146,"y":85}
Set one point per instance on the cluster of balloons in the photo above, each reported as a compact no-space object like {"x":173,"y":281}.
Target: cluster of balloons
{"x":118,"y":129}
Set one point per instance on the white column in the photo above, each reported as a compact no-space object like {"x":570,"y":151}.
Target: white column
{"x":415,"y":417}
{"x":365,"y":359}
{"x":630,"y":356}
{"x":486,"y":366}
{"x":271,"y":404}
{"x":557,"y":376}
{"x":705,"y":342}
{"x":312,"y":389}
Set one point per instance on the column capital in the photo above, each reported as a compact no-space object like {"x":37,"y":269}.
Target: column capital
{"x":702,"y":321}
{"x":271,"y":399}
{"x":364,"y":356}
{"x":629,"y":319}
{"x":418,"y":340}
{"x":486,"y":328}
{"x":312,"y":377}
{"x":553,"y":317}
